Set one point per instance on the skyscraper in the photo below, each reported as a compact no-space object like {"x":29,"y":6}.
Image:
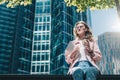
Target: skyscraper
{"x":63,"y":19}
{"x":7,"y":27}
{"x":109,"y":44}
{"x":40,"y":63}
{"x":23,"y":39}
{"x":16,"y":32}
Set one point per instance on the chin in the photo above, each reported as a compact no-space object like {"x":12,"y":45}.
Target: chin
{"x":79,"y":33}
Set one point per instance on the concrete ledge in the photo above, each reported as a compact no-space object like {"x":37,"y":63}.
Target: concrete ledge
{"x":108,"y":77}
{"x":53,"y":77}
{"x":36,"y":77}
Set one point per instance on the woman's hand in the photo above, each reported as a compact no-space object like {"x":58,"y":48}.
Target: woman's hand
{"x":75,"y":51}
{"x":88,"y":49}
{"x":86,"y":44}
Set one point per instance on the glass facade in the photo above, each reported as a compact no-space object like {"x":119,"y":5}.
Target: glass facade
{"x":40,"y":63}
{"x":7,"y":26}
{"x":63,"y":20}
{"x":89,"y":20}
{"x":16,"y":34}
{"x":23,"y":41}
{"x":109,"y":44}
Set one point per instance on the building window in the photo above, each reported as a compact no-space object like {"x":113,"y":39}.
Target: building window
{"x":42,"y":68}
{"x":38,"y":57}
{"x":46,"y":68}
{"x":34,"y":57}
{"x":33,"y":68}
{"x":38,"y":68}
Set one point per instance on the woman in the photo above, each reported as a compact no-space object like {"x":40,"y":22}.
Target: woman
{"x":83,"y":54}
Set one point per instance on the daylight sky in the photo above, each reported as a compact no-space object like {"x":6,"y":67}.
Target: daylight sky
{"x":105,"y":21}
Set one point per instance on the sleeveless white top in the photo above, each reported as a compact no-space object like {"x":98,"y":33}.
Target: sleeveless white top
{"x":82,"y":52}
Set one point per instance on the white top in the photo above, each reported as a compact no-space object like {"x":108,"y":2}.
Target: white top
{"x":82,"y":52}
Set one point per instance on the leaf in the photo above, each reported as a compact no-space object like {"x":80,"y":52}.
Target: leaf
{"x":82,"y":5}
{"x":13,"y":3}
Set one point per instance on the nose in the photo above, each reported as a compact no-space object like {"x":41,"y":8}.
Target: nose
{"x":78,"y":29}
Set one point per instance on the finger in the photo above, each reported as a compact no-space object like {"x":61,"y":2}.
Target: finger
{"x":94,"y":57}
{"x":87,"y":48}
{"x":77,"y":43}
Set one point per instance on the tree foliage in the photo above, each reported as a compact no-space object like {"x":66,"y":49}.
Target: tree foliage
{"x":82,"y":5}
{"x":13,"y":3}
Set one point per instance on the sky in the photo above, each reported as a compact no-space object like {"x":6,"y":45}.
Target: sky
{"x":105,"y":20}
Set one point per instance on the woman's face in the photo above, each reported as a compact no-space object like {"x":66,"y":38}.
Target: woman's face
{"x":80,"y":28}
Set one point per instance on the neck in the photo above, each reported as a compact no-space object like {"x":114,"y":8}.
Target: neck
{"x":81,"y":37}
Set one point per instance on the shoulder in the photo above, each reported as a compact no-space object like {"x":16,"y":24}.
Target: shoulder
{"x":73,"y":41}
{"x":94,"y":39}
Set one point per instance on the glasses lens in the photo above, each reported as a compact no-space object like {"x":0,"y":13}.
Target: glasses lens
{"x":79,"y":27}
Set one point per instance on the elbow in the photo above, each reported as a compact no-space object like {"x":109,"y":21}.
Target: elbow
{"x":100,"y":55}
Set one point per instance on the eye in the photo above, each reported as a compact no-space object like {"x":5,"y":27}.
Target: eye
{"x":79,"y":27}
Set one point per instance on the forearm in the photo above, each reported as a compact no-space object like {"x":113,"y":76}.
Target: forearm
{"x":74,"y":53}
{"x":71,"y":57}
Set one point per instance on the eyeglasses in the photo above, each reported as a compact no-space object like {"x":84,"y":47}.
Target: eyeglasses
{"x":79,"y":27}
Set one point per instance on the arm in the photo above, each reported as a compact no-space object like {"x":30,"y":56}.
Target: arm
{"x":97,"y":53}
{"x":67,"y":57}
{"x":71,"y":56}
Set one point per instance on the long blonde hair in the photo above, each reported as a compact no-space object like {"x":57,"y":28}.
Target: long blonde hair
{"x":88,"y":32}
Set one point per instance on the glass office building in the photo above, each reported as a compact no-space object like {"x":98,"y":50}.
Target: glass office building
{"x":40,"y":63}
{"x":109,"y":44}
{"x":7,"y":27}
{"x":23,"y":41}
{"x":63,"y":20}
{"x":16,"y":32}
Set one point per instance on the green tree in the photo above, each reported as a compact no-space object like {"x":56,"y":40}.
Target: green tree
{"x":13,"y":3}
{"x":82,"y":5}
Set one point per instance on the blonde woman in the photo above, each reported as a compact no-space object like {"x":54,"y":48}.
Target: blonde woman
{"x":83,"y":53}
